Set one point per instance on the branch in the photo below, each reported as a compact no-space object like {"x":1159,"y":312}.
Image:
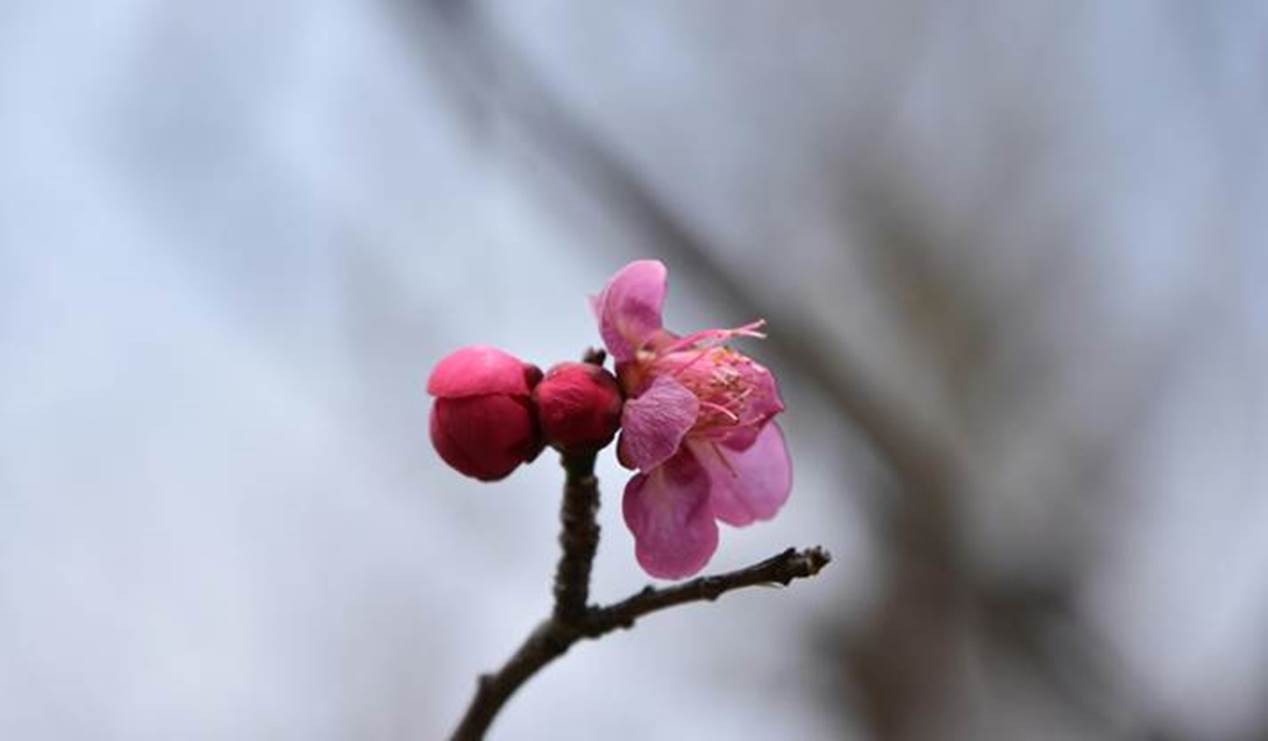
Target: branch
{"x":579,"y":537}
{"x":780,"y":569}
{"x":554,"y":636}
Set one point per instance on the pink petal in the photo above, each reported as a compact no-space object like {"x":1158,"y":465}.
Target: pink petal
{"x":750,"y":484}
{"x":765,"y":401}
{"x":738,"y":395}
{"x":762,"y":405}
{"x":485,"y":437}
{"x":628,"y":309}
{"x":668,"y":512}
{"x":654,"y":424}
{"x":480,"y":369}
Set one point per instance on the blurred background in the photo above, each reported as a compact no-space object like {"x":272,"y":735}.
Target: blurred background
{"x":1012,"y":256}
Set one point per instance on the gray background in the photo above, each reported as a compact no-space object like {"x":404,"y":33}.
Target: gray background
{"x":1011,"y":253}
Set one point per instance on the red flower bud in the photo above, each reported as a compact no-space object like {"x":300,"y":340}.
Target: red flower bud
{"x":482,"y":423}
{"x":578,"y":406}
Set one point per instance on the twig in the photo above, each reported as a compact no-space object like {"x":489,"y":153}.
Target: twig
{"x":780,"y":569}
{"x":553,"y":637}
{"x":578,"y":538}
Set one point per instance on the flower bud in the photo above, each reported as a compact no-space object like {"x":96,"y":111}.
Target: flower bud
{"x":482,"y":422}
{"x":578,"y":407}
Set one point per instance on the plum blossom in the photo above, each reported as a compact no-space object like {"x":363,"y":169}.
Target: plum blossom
{"x":696,"y":425}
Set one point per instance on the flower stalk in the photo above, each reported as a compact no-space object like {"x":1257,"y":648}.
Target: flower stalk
{"x":579,"y":534}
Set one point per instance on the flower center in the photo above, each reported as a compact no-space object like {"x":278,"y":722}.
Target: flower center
{"x":719,"y":377}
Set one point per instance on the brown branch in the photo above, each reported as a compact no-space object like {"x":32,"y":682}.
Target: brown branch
{"x":554,"y":636}
{"x":780,"y":569}
{"x":578,"y":538}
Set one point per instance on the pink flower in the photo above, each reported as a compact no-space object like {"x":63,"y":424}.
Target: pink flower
{"x":578,"y":406}
{"x":482,"y":423}
{"x":696,"y":424}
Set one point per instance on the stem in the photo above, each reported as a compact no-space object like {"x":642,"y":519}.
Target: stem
{"x":779,"y":569}
{"x":553,"y":637}
{"x":579,"y":537}
{"x":542,"y":646}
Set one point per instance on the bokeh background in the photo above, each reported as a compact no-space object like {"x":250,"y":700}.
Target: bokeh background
{"x":1012,"y":256}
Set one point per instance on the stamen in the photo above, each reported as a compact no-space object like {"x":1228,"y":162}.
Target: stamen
{"x":726,"y":463}
{"x":712,"y":337}
{"x":725,"y":374}
{"x":720,"y":410}
{"x":680,"y":369}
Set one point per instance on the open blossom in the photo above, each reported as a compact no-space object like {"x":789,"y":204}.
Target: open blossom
{"x":696,"y":425}
{"x":483,"y":423}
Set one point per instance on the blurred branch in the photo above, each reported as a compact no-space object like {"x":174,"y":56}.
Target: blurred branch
{"x":903,"y":658}
{"x":490,"y":78}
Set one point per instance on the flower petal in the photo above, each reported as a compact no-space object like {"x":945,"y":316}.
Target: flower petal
{"x":750,"y":484}
{"x":485,"y":437}
{"x":668,"y":512}
{"x":654,"y":424}
{"x":628,"y":309}
{"x":762,"y":404}
{"x":737,"y":395}
{"x":480,"y":369}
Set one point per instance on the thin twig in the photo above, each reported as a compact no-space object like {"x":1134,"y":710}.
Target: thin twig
{"x":780,"y":569}
{"x":553,"y":637}
{"x":579,"y":535}
{"x":578,"y":538}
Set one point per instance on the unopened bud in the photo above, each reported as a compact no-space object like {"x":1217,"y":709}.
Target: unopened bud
{"x":578,"y":407}
{"x":482,"y":422}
